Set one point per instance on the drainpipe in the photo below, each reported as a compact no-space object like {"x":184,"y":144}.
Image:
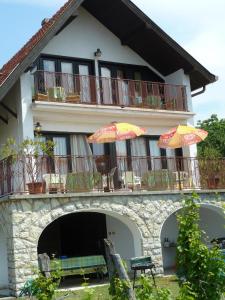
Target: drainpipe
{"x":199,"y":93}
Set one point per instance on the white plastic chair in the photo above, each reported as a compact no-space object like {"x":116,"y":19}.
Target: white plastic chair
{"x":130,"y":180}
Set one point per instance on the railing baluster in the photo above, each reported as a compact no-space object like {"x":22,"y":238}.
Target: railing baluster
{"x":93,"y":172}
{"x":54,"y":86}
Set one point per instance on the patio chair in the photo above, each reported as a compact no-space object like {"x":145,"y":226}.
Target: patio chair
{"x":182,"y":180}
{"x":56,"y":93}
{"x":158,"y":179}
{"x":55,"y":182}
{"x":83,"y":181}
{"x":130,"y":180}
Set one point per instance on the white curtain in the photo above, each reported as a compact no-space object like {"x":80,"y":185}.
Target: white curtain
{"x":171,"y":160}
{"x":106,"y":86}
{"x":60,"y":155}
{"x":155,"y":155}
{"x":67,"y":77}
{"x":139,"y":156}
{"x":82,"y":159}
{"x":85,"y":90}
{"x":121,"y":153}
{"x":49,"y":75}
{"x":123,"y":91}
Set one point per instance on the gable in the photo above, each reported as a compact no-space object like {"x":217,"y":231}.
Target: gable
{"x":129,"y":24}
{"x":84,"y":35}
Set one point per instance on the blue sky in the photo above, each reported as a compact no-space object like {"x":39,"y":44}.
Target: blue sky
{"x":198,"y":26}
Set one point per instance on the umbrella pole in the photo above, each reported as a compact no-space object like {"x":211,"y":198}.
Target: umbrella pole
{"x":180,"y":187}
{"x":178,"y":163}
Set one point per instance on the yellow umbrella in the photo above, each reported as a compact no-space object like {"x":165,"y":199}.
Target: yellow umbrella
{"x":181,"y":136}
{"x":116,"y":132}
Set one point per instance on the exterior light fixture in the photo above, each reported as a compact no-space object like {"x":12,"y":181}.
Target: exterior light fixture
{"x":37,"y":127}
{"x":98,"y":53}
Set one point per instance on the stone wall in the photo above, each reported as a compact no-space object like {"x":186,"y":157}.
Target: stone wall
{"x":25,"y":217}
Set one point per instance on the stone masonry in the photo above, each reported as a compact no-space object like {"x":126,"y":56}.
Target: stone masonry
{"x":24,"y":218}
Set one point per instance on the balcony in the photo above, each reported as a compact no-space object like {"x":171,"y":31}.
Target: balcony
{"x":79,"y":89}
{"x":72,"y":174}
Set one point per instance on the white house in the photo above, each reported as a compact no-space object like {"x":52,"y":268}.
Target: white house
{"x":96,"y":62}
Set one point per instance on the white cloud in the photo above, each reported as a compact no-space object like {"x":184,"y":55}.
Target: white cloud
{"x":46,"y":3}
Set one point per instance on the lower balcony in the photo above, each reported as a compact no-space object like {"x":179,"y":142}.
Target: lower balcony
{"x":83,"y":89}
{"x":72,"y":174}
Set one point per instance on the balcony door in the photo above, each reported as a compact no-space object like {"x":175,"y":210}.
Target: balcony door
{"x":106,"y":85}
{"x":67,"y":76}
{"x":85,"y":83}
{"x":50,"y":79}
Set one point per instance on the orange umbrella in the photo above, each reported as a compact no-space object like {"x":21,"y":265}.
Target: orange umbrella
{"x":116,"y":132}
{"x":181,"y":136}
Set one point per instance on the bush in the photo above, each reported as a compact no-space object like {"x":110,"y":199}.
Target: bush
{"x":201,"y":271}
{"x":45,"y":287}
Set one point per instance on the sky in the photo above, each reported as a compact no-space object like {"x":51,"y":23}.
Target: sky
{"x":198,"y":26}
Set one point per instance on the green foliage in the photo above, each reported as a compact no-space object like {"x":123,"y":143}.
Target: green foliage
{"x":186,"y":293}
{"x":201,"y":267}
{"x":88,"y":292}
{"x":147,"y":291}
{"x":28,"y":153}
{"x":45,"y":287}
{"x":27,"y":147}
{"x":118,"y":289}
{"x":214,"y":145}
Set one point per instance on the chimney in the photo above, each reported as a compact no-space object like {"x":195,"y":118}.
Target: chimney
{"x":44,"y":21}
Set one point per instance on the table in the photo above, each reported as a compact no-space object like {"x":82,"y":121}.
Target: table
{"x":80,"y":265}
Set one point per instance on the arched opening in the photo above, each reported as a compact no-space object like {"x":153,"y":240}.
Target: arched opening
{"x":4,"y":281}
{"x":211,"y":221}
{"x":81,"y":234}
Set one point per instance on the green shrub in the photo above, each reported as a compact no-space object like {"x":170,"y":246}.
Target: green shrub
{"x":42,"y":287}
{"x":202,"y":268}
{"x":147,"y":291}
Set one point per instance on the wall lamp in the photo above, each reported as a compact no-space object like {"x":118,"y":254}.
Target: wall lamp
{"x":37,"y":127}
{"x":98,"y":53}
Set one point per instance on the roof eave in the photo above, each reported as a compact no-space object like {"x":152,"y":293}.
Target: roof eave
{"x":10,"y":80}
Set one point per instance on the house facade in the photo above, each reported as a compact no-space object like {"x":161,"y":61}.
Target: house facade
{"x":91,"y":64}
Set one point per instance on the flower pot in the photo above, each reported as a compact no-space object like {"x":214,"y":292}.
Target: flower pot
{"x":213,"y":182}
{"x":36,"y":187}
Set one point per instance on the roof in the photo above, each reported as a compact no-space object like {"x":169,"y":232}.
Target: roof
{"x":128,"y":23}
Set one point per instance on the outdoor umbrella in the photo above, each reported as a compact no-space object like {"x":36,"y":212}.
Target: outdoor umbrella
{"x":181,"y":136}
{"x":116,"y":132}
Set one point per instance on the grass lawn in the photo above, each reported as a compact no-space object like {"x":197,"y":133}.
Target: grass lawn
{"x":101,"y":293}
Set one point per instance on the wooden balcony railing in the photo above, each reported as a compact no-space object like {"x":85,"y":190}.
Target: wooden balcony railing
{"x":62,"y":87}
{"x":72,"y":174}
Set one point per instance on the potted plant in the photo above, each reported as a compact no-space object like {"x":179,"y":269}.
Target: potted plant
{"x":209,"y":167}
{"x":29,"y":154}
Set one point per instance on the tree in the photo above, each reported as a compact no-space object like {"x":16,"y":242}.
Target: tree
{"x":214,"y":144}
{"x":201,"y":271}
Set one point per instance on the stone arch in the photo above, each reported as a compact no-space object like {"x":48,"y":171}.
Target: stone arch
{"x":169,"y":229}
{"x":124,"y":214}
{"x":178,"y":205}
{"x":122,"y":231}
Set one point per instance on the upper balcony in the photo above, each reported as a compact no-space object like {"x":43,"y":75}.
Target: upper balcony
{"x":80,"y":89}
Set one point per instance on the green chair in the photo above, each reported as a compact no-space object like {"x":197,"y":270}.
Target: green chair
{"x":82,"y":181}
{"x":56,"y":93}
{"x":158,"y":179}
{"x":153,"y":101}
